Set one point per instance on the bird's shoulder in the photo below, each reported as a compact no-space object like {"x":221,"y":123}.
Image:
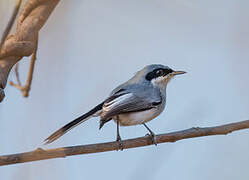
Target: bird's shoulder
{"x":144,"y":91}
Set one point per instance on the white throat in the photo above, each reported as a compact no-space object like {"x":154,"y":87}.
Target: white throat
{"x":161,"y":82}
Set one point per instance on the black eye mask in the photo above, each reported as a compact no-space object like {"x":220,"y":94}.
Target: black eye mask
{"x":157,"y":73}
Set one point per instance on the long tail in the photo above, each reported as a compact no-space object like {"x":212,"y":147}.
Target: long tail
{"x":73,"y":124}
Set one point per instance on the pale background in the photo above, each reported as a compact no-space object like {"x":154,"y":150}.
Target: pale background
{"x":88,"y":47}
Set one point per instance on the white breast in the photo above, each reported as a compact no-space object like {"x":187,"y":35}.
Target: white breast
{"x":134,"y":118}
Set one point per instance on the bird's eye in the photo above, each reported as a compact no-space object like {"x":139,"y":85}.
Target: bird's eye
{"x":159,"y":72}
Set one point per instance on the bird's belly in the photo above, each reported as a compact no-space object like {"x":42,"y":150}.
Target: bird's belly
{"x":134,"y":118}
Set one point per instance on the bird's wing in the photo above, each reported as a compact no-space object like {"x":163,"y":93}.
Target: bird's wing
{"x":124,"y":101}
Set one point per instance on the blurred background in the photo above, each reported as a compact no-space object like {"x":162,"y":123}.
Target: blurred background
{"x":89,"y":47}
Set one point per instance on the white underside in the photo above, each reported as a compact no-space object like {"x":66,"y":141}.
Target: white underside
{"x":134,"y":118}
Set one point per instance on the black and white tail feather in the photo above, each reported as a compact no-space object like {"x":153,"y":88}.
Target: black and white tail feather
{"x":92,"y":113}
{"x":96,"y":111}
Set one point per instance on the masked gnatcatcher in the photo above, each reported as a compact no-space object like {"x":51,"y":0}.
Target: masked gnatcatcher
{"x":137,"y":101}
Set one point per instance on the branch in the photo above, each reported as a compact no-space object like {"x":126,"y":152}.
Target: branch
{"x":10,"y":23}
{"x":41,"y":154}
{"x":23,"y":42}
{"x":4,"y":36}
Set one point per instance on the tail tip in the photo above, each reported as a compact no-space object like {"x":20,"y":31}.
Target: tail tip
{"x":101,"y":124}
{"x":46,"y":142}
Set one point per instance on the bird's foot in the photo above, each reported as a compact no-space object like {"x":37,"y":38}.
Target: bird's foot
{"x":196,"y":128}
{"x":121,"y":145}
{"x":153,"y":137}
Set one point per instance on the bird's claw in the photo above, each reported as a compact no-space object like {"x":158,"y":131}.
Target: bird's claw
{"x":121,"y":145}
{"x":196,"y":128}
{"x":153,"y":138}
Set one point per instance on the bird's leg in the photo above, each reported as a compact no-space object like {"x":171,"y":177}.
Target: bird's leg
{"x":118,"y":136}
{"x":152,"y":134}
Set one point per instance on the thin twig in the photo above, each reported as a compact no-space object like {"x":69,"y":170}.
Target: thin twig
{"x":10,"y":23}
{"x":25,"y":93}
{"x":19,"y":84}
{"x":42,"y":154}
{"x":17,"y":74}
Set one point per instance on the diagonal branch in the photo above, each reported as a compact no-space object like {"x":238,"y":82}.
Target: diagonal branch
{"x":41,"y":154}
{"x":10,"y":23}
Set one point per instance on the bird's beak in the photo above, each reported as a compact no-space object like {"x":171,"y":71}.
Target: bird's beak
{"x":177,"y":72}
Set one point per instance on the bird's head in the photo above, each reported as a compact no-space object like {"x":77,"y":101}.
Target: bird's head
{"x":157,"y":74}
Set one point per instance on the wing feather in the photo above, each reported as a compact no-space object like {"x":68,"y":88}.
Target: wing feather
{"x":125,"y":101}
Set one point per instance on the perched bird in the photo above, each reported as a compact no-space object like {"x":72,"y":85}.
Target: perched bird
{"x":137,"y":101}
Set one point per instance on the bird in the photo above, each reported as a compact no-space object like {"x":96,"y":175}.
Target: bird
{"x":135,"y":102}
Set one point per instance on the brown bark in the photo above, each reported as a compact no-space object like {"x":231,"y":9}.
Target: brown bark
{"x":23,"y":42}
{"x":41,"y":154}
